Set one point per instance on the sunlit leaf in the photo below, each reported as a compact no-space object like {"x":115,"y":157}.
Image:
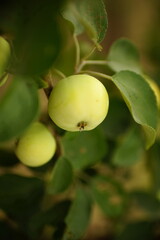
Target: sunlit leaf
{"x":90,"y":16}
{"x":140,"y":100}
{"x":123,"y":55}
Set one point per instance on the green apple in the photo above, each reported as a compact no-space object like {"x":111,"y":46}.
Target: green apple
{"x":36,"y":146}
{"x":4,"y":55}
{"x":78,"y":102}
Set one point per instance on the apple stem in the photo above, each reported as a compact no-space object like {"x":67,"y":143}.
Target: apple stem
{"x":98,"y":74}
{"x":59,"y":73}
{"x":89,"y":54}
{"x":77,"y":50}
{"x":91,"y":62}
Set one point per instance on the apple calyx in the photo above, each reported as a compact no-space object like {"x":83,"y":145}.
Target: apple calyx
{"x":81,"y":125}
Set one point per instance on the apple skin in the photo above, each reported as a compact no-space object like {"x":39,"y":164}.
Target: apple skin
{"x":36,"y":146}
{"x":78,"y":102}
{"x":5,"y":53}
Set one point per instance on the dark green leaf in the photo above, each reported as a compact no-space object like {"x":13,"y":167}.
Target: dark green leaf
{"x":155,"y":166}
{"x":68,"y":49}
{"x":147,"y":201}
{"x":118,"y":119}
{"x":58,"y":233}
{"x":37,"y":38}
{"x":16,"y":14}
{"x":140,"y":100}
{"x":123,"y":55}
{"x":7,"y":158}
{"x":61,"y":176}
{"x":20,"y":196}
{"x":83,"y":149}
{"x":18,"y":108}
{"x":136,"y":231}
{"x":90,"y":16}
{"x":78,"y":217}
{"x":109,"y":195}
{"x":129,"y":150}
{"x":53,"y":216}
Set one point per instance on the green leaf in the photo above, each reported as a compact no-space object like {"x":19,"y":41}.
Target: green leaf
{"x":53,"y":216}
{"x":70,"y":13}
{"x":123,"y":55}
{"x":20,"y":196}
{"x":146,"y":201}
{"x":62,"y":176}
{"x":78,"y":217}
{"x":118,"y":119}
{"x":18,"y":107}
{"x":90,"y":16}
{"x":68,"y":49}
{"x":5,"y":53}
{"x":140,"y":100}
{"x":131,"y":143}
{"x":37,"y":41}
{"x":155,"y":166}
{"x":109,"y":195}
{"x":83,"y":149}
{"x":137,"y":230}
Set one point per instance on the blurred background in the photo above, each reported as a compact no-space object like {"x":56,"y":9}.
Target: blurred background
{"x":138,"y":20}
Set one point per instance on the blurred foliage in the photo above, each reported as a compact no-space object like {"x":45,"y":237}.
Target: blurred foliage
{"x":107,"y":168}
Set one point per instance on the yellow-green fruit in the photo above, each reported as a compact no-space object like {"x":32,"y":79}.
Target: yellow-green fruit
{"x":78,"y":102}
{"x":36,"y":146}
{"x":4,"y":55}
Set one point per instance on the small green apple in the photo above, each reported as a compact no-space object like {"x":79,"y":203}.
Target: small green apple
{"x":4,"y":55}
{"x":78,"y":102}
{"x":36,"y":146}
